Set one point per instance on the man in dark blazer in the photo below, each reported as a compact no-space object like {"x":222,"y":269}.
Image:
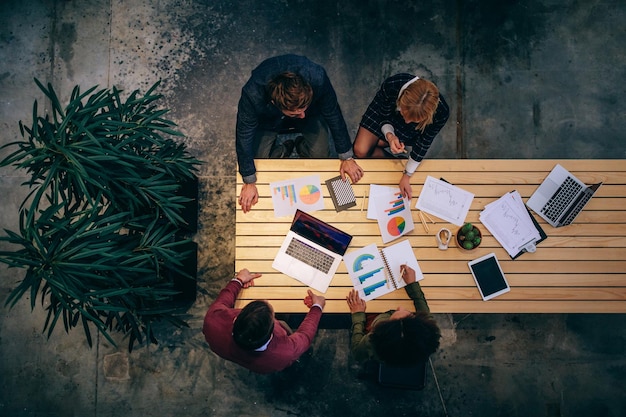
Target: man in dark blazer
{"x":289,"y":94}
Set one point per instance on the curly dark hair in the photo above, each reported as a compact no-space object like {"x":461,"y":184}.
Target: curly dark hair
{"x":254,"y":325}
{"x":406,"y":342}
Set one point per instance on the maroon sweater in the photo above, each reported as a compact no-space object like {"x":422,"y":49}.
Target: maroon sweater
{"x":283,"y":350}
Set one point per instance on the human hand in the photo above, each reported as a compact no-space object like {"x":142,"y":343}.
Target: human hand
{"x":352,"y":169}
{"x":249,"y":196}
{"x":247,"y":278}
{"x":408,"y":274}
{"x":355,"y":303}
{"x":394,"y":143}
{"x":312,"y":298}
{"x":405,"y":186}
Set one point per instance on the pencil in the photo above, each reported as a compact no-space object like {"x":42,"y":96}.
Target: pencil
{"x":428,"y":217}
{"x":423,"y":221}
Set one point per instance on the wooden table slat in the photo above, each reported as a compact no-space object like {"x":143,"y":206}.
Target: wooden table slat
{"x":558,"y":280}
{"x":479,"y":306}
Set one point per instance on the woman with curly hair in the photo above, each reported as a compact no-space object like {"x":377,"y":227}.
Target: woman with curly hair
{"x":399,"y":338}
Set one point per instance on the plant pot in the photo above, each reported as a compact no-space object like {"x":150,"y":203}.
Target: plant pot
{"x":185,"y":281}
{"x":189,"y":189}
{"x":468,"y":233}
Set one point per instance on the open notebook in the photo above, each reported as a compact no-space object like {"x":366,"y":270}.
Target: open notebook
{"x":377,"y":272}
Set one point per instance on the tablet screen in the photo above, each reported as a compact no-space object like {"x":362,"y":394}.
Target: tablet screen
{"x":489,"y":276}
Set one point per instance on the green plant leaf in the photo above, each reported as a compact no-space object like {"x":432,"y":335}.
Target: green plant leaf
{"x":97,"y":230}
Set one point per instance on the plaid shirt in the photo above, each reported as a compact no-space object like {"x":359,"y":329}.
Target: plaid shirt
{"x":382,"y":110}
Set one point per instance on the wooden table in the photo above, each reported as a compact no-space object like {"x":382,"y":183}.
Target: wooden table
{"x":579,"y":268}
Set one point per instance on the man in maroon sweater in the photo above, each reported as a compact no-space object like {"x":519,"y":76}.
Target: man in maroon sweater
{"x":252,"y":337}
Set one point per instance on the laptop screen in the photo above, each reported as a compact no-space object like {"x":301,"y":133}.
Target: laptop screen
{"x":320,"y":232}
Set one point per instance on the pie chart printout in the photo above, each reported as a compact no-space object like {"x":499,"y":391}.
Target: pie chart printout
{"x":297,"y":193}
{"x":310,"y":194}
{"x":396,"y":226}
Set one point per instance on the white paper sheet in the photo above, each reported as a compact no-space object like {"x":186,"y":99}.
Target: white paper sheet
{"x":509,"y":222}
{"x":393,"y":213}
{"x":444,"y":200}
{"x":375,"y":192}
{"x":303,"y":193}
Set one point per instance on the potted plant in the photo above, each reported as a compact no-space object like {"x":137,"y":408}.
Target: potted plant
{"x":102,"y":227}
{"x":468,"y":237}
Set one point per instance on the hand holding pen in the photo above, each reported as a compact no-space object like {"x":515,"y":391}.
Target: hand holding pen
{"x":407,"y":273}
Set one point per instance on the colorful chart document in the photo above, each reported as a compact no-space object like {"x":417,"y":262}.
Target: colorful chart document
{"x":303,"y":193}
{"x":393,"y":213}
{"x":377,"y":272}
{"x":444,"y":200}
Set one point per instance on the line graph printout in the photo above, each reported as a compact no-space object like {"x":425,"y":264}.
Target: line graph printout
{"x":303,"y":193}
{"x":444,"y":200}
{"x":509,"y":222}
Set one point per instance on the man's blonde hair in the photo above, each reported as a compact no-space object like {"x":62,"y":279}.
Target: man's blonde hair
{"x":289,"y":91}
{"x":419,"y":101}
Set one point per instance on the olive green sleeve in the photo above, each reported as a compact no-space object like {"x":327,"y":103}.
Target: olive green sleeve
{"x":360,"y":345}
{"x":414,"y":291}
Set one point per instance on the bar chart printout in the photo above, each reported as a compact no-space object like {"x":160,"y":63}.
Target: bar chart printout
{"x":367,"y":271}
{"x":393,"y":213}
{"x":375,"y":272}
{"x":300,"y":193}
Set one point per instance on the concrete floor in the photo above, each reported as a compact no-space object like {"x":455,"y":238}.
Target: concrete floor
{"x":531,"y":79}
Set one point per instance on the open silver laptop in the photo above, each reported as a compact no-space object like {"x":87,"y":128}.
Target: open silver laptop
{"x":312,"y":251}
{"x":561,"y":197}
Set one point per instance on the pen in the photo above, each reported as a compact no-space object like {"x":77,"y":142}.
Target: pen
{"x":363,"y":201}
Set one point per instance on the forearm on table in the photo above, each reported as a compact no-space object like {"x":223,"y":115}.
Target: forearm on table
{"x":415,"y":293}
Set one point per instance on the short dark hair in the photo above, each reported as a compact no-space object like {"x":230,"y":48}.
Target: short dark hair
{"x":407,"y":341}
{"x":289,"y":91}
{"x":254,"y":325}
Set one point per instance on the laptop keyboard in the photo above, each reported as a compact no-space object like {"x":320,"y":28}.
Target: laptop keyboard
{"x":310,"y":255}
{"x":569,"y":218}
{"x":561,"y":199}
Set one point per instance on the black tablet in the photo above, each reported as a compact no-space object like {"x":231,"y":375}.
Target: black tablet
{"x":489,"y":277}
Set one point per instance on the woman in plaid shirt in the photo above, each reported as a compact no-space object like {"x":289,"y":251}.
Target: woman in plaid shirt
{"x":407,"y":111}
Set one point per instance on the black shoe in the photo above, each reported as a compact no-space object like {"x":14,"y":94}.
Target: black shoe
{"x":282,"y":150}
{"x":288,"y":148}
{"x":301,"y":152}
